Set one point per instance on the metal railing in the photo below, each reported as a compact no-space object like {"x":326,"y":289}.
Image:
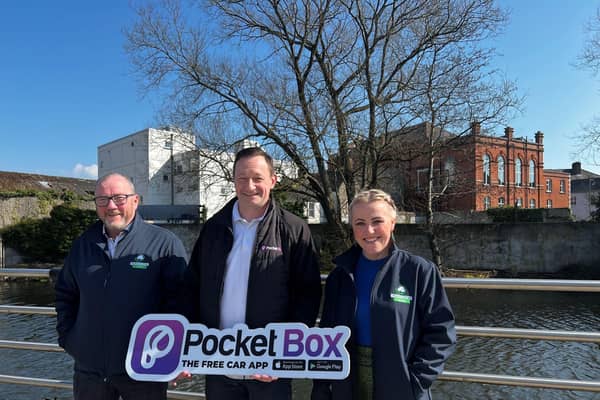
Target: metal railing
{"x":463,"y":283}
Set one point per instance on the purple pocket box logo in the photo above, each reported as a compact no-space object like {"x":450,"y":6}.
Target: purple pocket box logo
{"x":157,"y":346}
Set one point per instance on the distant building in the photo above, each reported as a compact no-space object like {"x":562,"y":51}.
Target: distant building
{"x":585,"y":185}
{"x":18,"y":181}
{"x":477,"y":172}
{"x":168,"y":169}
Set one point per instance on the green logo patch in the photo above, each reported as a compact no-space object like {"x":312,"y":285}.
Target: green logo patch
{"x":400,"y":295}
{"x":139,"y":262}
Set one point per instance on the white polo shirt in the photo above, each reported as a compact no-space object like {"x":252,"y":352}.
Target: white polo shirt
{"x":235,"y":287}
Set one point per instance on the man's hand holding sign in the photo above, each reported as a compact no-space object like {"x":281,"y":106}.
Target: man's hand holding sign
{"x":162,"y":346}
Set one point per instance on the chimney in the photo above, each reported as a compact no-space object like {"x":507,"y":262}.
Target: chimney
{"x":576,"y":168}
{"x":539,"y":137}
{"x":475,"y":128}
{"x":508,"y":132}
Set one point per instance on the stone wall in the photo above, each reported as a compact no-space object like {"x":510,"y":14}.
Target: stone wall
{"x":14,"y":209}
{"x":537,"y":248}
{"x":188,"y":233}
{"x":513,"y":248}
{"x":523,"y":248}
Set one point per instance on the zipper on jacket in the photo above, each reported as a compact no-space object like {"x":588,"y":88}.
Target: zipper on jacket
{"x":222,"y":285}
{"x":104,"y":317}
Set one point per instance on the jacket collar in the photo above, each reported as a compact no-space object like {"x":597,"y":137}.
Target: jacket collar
{"x":223,"y":216}
{"x":348,"y":259}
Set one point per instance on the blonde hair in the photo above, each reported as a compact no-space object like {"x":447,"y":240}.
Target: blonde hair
{"x":370,"y":195}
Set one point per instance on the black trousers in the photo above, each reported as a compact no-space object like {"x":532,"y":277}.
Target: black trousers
{"x":93,"y":387}
{"x":222,"y":388}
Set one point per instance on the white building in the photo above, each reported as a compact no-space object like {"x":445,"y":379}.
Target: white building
{"x":585,"y":186}
{"x":166,"y":169}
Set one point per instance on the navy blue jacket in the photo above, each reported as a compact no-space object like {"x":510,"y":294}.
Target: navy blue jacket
{"x":98,"y":299}
{"x":284,"y":284}
{"x":412,"y":326}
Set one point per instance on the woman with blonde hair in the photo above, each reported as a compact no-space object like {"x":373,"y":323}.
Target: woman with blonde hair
{"x":394,"y":303}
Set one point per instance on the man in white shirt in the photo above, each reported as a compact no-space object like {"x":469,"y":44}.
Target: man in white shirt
{"x":253,"y":263}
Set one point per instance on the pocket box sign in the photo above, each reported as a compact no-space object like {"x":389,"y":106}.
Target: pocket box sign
{"x":163,"y":345}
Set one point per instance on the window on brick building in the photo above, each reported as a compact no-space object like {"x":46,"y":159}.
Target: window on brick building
{"x":518,"y":177}
{"x":422,"y":179}
{"x":549,"y":203}
{"x":501,"y":202}
{"x":487,"y":202}
{"x":532,"y":203}
{"x":500,"y":170}
{"x":531,"y":173}
{"x":486,"y":169}
{"x":519,"y":203}
{"x":562,"y":185}
{"x":548,"y":185}
{"x":449,"y":171}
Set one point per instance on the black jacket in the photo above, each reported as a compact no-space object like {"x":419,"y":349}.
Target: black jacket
{"x":98,"y":299}
{"x":412,"y":338}
{"x":284,"y":283}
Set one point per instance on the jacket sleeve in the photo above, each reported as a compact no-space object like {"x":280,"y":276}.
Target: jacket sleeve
{"x":305,"y":278}
{"x":189,"y":298}
{"x":66,"y":298}
{"x":438,"y":336}
{"x":172,"y":269}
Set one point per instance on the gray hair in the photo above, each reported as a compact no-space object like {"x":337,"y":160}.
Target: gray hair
{"x":111,"y":174}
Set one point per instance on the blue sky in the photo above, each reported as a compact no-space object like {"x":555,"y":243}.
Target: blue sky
{"x":66,"y":85}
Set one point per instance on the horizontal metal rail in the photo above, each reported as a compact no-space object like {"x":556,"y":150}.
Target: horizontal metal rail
{"x":527,"y":381}
{"x":25,"y":272}
{"x":559,"y":285}
{"x":513,"y":333}
{"x":58,"y":384}
{"x":451,"y":376}
{"x":21,"y":380}
{"x":554,"y":285}
{"x":8,"y":309}
{"x":12,"y":344}
{"x":535,"y":334}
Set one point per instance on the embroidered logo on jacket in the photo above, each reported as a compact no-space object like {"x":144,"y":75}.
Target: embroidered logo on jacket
{"x":270,"y":248}
{"x":400,"y":295}
{"x":139,"y":262}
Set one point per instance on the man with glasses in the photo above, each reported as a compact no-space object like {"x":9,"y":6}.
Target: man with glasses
{"x":118,"y":270}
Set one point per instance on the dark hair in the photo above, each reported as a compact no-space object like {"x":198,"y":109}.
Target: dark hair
{"x":253,"y":152}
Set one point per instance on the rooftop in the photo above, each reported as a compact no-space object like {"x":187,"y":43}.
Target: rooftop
{"x":13,"y":181}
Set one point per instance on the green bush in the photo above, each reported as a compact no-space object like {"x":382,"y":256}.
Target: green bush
{"x":49,"y":239}
{"x":513,"y":214}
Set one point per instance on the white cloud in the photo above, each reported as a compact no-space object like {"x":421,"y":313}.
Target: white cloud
{"x":85,"y":171}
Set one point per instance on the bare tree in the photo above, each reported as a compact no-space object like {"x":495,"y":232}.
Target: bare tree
{"x":455,"y":86}
{"x":314,"y":81}
{"x":589,"y":59}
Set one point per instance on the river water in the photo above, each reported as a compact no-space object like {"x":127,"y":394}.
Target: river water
{"x":514,"y":309}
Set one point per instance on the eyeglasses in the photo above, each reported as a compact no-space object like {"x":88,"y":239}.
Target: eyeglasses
{"x":118,"y":199}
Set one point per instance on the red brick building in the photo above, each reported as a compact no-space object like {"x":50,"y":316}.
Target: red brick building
{"x":475,"y":172}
